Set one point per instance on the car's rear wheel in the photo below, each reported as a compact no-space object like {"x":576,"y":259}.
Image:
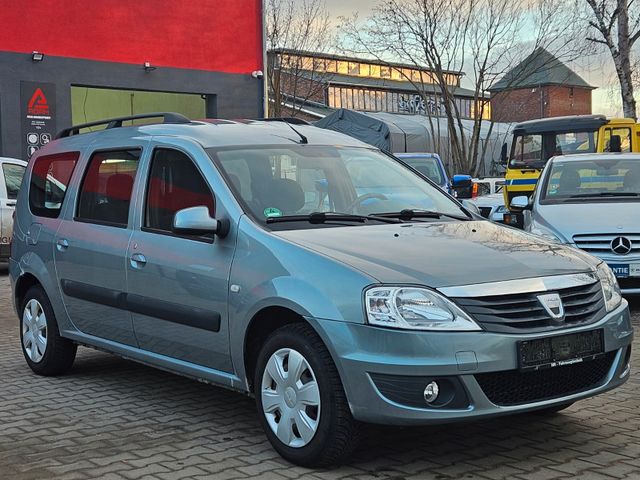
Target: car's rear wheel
{"x":301,"y":401}
{"x":45,"y":351}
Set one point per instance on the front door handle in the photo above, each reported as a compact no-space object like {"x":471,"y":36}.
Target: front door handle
{"x":138,"y":260}
{"x":11,"y":204}
{"x":62,"y":244}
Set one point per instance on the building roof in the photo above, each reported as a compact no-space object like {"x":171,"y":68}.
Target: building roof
{"x":379,"y":83}
{"x":331,"y":56}
{"x":538,"y":69}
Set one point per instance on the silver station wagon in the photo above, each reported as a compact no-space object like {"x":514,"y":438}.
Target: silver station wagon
{"x":325,"y":278}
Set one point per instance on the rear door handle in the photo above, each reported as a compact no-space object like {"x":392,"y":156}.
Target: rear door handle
{"x":11,"y":204}
{"x":62,"y":244}
{"x":138,"y":260}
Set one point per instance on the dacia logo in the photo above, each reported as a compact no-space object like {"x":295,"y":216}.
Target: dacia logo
{"x":552,"y":303}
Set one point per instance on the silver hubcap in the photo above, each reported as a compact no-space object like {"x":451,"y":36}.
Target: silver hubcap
{"x":290,"y":398}
{"x":34,"y":330}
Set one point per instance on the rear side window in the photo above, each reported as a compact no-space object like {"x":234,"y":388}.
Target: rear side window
{"x":12,"y":179}
{"x":49,"y":180}
{"x":174,"y":183}
{"x":105,"y":194}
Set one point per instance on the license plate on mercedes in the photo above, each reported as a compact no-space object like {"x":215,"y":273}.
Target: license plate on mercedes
{"x":561,"y":350}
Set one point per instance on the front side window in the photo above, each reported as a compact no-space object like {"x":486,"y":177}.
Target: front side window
{"x":105,"y":193}
{"x":527,"y":151}
{"x":13,"y":179}
{"x":625,"y":138}
{"x":304,"y":179}
{"x":49,"y":180}
{"x":174,"y":183}
{"x":592,"y":180}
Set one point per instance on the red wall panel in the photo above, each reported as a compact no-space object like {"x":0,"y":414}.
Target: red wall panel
{"x":215,"y":35}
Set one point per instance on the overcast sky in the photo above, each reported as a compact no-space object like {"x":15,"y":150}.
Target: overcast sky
{"x":596,"y":72}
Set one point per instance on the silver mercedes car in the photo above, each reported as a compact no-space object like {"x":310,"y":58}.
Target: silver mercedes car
{"x":592,"y":202}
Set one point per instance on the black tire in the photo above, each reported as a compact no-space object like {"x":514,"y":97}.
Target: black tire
{"x":59,"y":352}
{"x":550,"y":411}
{"x":337,"y":433}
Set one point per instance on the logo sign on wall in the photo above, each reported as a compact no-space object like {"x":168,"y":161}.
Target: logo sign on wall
{"x":38,"y":102}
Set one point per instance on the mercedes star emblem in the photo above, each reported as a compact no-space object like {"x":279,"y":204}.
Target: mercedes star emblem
{"x":621,"y":245}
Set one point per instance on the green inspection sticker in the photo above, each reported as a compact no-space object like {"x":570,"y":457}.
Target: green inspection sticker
{"x":272,"y":212}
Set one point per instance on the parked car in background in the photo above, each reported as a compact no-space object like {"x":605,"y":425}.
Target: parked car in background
{"x":430,"y":165}
{"x":242,"y":254}
{"x":10,"y":181}
{"x":491,"y":206}
{"x":592,"y":202}
{"x":489,"y":185}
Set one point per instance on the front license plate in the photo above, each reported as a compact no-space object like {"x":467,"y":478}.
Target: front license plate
{"x":562,"y":350}
{"x":620,"y":270}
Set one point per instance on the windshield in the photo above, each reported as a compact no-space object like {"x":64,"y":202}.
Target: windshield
{"x":427,"y":166}
{"x":303,"y":179}
{"x":534,"y":150}
{"x":593,"y":179}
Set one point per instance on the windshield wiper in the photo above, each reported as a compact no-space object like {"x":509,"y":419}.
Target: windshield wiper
{"x":606,"y":194}
{"x":323,"y":217}
{"x":408,"y":214}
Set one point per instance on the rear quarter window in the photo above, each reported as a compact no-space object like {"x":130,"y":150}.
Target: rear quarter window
{"x":49,"y":180}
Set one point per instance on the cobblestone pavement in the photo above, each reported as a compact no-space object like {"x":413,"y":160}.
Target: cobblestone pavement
{"x":114,"y":419}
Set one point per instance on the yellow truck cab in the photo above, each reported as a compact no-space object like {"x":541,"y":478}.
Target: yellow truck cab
{"x":536,"y":141}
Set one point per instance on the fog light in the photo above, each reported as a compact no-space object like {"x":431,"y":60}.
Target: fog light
{"x":431,"y":392}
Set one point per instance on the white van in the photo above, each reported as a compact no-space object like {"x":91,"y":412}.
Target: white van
{"x":10,"y":181}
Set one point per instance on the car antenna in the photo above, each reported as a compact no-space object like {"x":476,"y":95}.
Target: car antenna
{"x":303,"y":139}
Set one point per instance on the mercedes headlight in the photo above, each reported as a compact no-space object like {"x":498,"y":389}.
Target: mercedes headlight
{"x":415,"y":308}
{"x":610,"y":287}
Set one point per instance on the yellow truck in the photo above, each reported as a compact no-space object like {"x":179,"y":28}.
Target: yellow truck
{"x":536,"y":141}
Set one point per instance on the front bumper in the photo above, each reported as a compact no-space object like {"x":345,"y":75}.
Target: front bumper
{"x":363,"y":353}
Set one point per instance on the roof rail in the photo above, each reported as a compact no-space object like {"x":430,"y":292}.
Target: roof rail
{"x":292,"y":120}
{"x":168,"y":117}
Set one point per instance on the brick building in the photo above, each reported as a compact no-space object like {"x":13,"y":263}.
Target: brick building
{"x":538,"y":87}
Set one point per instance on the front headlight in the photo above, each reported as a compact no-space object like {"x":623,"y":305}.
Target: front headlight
{"x":610,"y":287}
{"x":415,"y":309}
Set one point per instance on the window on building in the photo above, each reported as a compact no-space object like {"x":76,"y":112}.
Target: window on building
{"x":176,"y":183}
{"x":12,"y":179}
{"x":396,"y":74}
{"x":105,"y":193}
{"x":354,"y":68}
{"x":385,"y":72}
{"x":374,"y":71}
{"x":331,"y":66}
{"x":49,"y":180}
{"x":343,"y":67}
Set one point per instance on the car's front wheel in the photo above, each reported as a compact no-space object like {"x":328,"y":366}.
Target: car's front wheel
{"x":301,"y":401}
{"x":46,"y":352}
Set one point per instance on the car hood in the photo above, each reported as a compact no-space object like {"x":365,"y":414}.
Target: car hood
{"x":571,"y":219}
{"x":439,"y":254}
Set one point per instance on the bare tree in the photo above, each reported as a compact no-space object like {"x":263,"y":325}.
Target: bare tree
{"x":293,"y":27}
{"x":482,"y":38}
{"x":617,"y":24}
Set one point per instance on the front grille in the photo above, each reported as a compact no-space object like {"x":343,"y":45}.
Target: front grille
{"x":629,"y":283}
{"x":512,"y":387}
{"x":485,"y":211}
{"x":520,"y":312}
{"x":601,"y":243}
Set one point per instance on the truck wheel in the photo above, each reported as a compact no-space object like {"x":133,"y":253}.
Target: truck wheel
{"x":301,"y":403}
{"x":46,"y":352}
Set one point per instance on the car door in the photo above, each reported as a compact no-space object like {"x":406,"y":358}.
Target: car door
{"x":10,"y":182}
{"x":178,"y":284}
{"x":91,"y":246}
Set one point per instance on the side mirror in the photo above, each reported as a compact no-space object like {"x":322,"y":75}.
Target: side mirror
{"x":462,"y":185}
{"x":503,"y":154}
{"x":521,"y":203}
{"x":197,"y":221}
